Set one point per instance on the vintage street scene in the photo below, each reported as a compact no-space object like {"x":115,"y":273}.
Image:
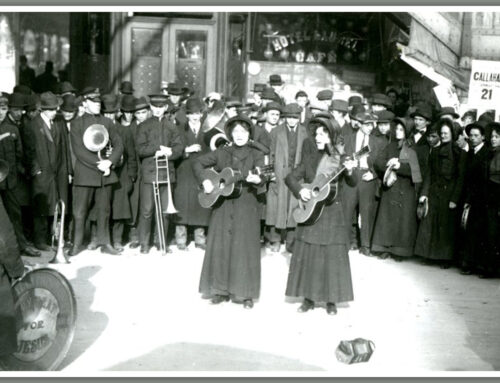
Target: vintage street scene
{"x":246,"y":193}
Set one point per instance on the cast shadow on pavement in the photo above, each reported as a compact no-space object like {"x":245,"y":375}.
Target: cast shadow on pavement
{"x":210,"y":357}
{"x":89,"y":324}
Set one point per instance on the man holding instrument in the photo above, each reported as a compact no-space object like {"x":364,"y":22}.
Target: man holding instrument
{"x":49,"y":163}
{"x":156,"y":137}
{"x":93,"y":176}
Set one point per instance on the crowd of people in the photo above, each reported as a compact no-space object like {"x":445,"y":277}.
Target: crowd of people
{"x":405,"y":197}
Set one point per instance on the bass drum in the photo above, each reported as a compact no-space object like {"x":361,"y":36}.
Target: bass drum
{"x":45,"y":307}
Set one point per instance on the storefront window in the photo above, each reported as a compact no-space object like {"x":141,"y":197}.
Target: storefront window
{"x":7,"y":55}
{"x":146,"y":47}
{"x":190,"y":59}
{"x":315,"y":38}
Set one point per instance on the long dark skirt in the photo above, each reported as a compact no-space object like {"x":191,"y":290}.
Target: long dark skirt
{"x":232,"y":259}
{"x":321,"y":273}
{"x":436,"y":232}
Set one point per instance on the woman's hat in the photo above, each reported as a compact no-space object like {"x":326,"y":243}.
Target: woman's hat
{"x":233,"y":121}
{"x":422,"y":209}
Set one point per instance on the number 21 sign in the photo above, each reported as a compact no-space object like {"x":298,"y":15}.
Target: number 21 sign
{"x":484,"y":87}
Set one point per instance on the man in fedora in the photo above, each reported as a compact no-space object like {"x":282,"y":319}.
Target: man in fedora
{"x":93,"y":176}
{"x":276,"y":84}
{"x":354,"y":124}
{"x":362,"y":196}
{"x":67,"y":113}
{"x":173,"y":110}
{"x":422,"y":118}
{"x":156,"y":137}
{"x":49,"y":165}
{"x":191,"y":214}
{"x":339,"y":110}
{"x":11,"y":150}
{"x":302,"y":99}
{"x":134,"y":112}
{"x":286,"y":151}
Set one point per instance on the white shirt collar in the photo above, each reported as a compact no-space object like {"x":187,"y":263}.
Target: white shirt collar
{"x":46,"y":120}
{"x":478,"y":148}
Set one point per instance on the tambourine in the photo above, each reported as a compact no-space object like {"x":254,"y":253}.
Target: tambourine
{"x":422,"y":209}
{"x":465,"y":217}
{"x":390,"y":176}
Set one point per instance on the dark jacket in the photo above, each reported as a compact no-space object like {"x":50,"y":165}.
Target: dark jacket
{"x":443,"y":184}
{"x":376,"y":145}
{"x":47,"y":154}
{"x":127,"y":174}
{"x":11,"y":266}
{"x":395,"y":228}
{"x":150,"y":135}
{"x":11,"y":150}
{"x":332,"y":225}
{"x":86,"y":172}
{"x":186,"y":188}
{"x":232,"y":257}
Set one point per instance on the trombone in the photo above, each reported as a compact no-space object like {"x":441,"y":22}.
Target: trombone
{"x":58,"y":233}
{"x":162,"y":164}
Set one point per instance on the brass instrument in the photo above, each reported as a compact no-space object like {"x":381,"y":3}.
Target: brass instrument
{"x":58,"y":233}
{"x":95,"y":139}
{"x":162,"y":163}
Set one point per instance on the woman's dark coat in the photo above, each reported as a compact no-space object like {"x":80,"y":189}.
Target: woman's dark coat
{"x":443,"y":184}
{"x":395,"y":227}
{"x":232,"y":258}
{"x":320,"y":268}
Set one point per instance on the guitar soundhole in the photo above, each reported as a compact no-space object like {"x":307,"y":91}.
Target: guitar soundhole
{"x":315,"y":191}
{"x":222,"y":183}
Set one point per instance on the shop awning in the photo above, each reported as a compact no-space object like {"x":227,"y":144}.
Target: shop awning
{"x":428,"y":55}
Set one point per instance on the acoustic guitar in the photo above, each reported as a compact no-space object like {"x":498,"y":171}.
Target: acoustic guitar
{"x":228,"y":183}
{"x":323,"y":191}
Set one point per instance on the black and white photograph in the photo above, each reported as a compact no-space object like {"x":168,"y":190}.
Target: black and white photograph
{"x":250,"y":191}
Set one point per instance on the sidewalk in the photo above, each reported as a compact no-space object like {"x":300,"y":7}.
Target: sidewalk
{"x":144,"y":313}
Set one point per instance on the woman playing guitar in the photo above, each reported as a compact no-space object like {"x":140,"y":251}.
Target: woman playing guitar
{"x":231,"y":267}
{"x":319,"y":268}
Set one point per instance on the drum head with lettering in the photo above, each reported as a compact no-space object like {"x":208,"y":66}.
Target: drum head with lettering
{"x":45,"y":308}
